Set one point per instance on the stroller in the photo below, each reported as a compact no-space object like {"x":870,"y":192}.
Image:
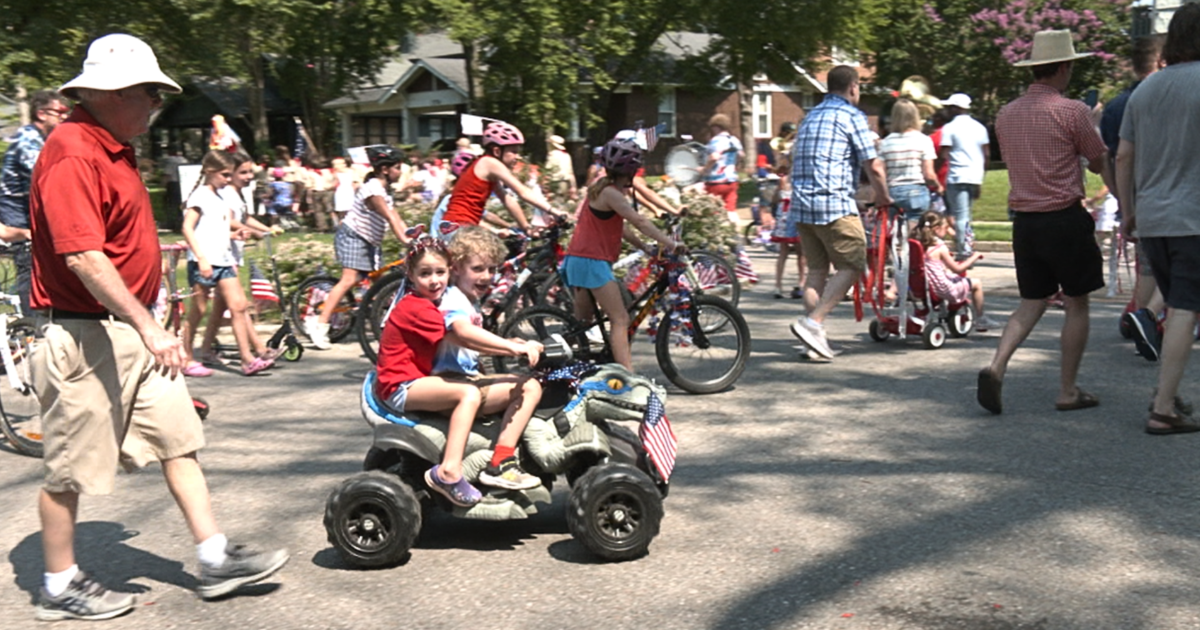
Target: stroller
{"x":930,"y":317}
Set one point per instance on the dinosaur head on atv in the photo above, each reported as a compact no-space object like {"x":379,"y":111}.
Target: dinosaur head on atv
{"x":612,"y":393}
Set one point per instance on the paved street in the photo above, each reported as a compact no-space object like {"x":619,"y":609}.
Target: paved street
{"x":870,"y":492}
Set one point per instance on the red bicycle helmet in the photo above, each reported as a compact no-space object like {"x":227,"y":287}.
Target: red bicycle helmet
{"x":460,"y":162}
{"x":502,"y":134}
{"x":621,"y":157}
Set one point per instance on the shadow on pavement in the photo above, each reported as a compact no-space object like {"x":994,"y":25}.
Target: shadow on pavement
{"x":100,"y":550}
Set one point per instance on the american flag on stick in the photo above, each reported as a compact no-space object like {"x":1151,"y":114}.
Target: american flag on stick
{"x":657,"y":437}
{"x":260,"y":287}
{"x":745,"y":268}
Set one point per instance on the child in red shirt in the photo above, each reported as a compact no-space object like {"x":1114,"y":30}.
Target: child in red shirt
{"x":412,"y":336}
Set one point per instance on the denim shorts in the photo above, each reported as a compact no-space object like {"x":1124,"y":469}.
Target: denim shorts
{"x":586,"y":273}
{"x":218,"y":274}
{"x":911,"y":199}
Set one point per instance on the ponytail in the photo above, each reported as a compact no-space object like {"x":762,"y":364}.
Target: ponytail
{"x":214,"y":161}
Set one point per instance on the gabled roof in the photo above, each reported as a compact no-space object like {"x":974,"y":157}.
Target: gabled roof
{"x":440,"y":55}
{"x":452,"y":72}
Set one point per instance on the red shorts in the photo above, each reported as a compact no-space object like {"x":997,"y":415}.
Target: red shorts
{"x":727,"y":191}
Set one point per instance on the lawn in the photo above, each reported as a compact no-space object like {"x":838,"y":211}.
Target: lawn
{"x":993,"y":198}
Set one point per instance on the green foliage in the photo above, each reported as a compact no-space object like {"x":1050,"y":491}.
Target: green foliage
{"x":300,"y":258}
{"x":706,"y":225}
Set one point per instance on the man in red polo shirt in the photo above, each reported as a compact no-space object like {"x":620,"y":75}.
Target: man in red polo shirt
{"x":1042,"y":136}
{"x":107,"y":373}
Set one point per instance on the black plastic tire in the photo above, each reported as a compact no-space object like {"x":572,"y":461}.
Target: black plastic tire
{"x":727,"y":287}
{"x":615,"y":512}
{"x":961,"y":321}
{"x":340,"y":325}
{"x":877,"y":331}
{"x":373,"y":519}
{"x":373,"y":310}
{"x":294,"y":351}
{"x":537,"y":324}
{"x":934,"y":336}
{"x":717,"y":318}
{"x":20,"y":411}
{"x":202,"y":407}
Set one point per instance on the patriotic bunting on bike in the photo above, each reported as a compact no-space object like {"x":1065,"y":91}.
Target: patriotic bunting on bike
{"x":260,"y":287}
{"x":657,"y":437}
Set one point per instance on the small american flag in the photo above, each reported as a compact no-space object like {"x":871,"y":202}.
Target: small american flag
{"x":709,"y":274}
{"x":657,"y":437}
{"x":260,"y":287}
{"x":745,"y":268}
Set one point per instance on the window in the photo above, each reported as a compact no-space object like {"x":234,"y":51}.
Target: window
{"x":365,"y":130}
{"x":666,"y":113}
{"x":762,"y":114}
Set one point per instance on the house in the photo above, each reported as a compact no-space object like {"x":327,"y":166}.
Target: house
{"x":417,"y":97}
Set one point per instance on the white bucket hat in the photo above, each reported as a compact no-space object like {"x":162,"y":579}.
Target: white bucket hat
{"x":1052,"y":47}
{"x":558,"y":143}
{"x":118,"y":61}
{"x":958,"y":100}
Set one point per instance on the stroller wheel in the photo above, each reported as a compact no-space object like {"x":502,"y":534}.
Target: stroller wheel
{"x":877,"y":331}
{"x":961,"y":321}
{"x":934,"y":336}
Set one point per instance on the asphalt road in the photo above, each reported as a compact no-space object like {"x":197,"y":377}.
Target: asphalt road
{"x":870,"y":492}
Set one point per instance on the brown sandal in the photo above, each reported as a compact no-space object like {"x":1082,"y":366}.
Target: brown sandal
{"x":1083,"y":400}
{"x":1175,"y":425}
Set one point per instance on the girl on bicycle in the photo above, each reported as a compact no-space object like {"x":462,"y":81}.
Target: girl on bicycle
{"x":426,"y":363}
{"x":244,"y":226}
{"x":458,"y":164}
{"x":207,"y":226}
{"x":490,"y":174}
{"x":596,"y":244}
{"x":360,"y":235}
{"x":945,"y":275}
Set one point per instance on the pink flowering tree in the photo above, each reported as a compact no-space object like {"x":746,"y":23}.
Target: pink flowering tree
{"x":970,"y":45}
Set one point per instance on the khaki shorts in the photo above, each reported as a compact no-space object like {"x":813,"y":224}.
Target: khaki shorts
{"x":843,"y":243}
{"x":103,"y":403}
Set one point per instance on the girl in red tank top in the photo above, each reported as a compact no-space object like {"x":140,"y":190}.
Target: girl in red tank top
{"x":490,"y":174}
{"x":596,"y":243}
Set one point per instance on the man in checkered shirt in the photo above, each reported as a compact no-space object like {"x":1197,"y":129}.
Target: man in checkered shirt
{"x":833,"y":143}
{"x":1042,"y":137}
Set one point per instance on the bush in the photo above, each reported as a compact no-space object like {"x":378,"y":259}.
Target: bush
{"x":301,"y":258}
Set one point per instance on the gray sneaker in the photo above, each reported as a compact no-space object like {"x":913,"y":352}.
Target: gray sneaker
{"x":813,"y":336}
{"x":242,"y":566}
{"x":85,"y":598}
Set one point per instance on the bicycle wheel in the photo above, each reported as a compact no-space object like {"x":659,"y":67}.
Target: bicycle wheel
{"x":708,"y":351}
{"x":717,"y":277}
{"x":308,"y":300}
{"x":20,"y":410}
{"x":373,"y":311}
{"x":552,"y":291}
{"x":537,"y":324}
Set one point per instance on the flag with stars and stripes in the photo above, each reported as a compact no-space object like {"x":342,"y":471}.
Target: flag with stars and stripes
{"x":260,"y":287}
{"x":570,"y":373}
{"x":745,"y":268}
{"x":657,"y":437}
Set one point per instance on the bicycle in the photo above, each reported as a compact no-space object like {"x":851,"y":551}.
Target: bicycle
{"x":681,"y":320}
{"x":20,"y":409}
{"x":309,"y":299}
{"x":713,"y":272}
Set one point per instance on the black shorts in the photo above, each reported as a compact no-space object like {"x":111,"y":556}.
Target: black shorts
{"x":1056,"y":249}
{"x":1175,"y":261}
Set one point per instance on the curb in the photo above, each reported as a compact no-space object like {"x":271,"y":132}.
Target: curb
{"x":993,"y":246}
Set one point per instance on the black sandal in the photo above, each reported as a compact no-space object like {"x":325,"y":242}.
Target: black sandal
{"x":1174,"y":424}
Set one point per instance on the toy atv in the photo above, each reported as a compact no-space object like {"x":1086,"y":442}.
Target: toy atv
{"x":617,"y":487}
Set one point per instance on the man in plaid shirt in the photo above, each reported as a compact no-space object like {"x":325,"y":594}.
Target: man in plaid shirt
{"x":833,"y":143}
{"x":1042,"y":136}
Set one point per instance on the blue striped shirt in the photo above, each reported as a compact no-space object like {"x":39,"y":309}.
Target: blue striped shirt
{"x":832,"y":143}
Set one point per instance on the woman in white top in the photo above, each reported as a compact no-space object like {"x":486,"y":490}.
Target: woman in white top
{"x":908,"y":156}
{"x":207,"y":227}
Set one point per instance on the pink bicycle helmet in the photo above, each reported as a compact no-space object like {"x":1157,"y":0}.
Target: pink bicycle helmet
{"x":460,"y":162}
{"x":621,"y":157}
{"x":502,"y":134}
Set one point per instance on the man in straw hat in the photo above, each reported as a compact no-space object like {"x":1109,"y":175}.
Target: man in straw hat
{"x":1042,"y":136}
{"x":1158,"y":183}
{"x":107,"y":373}
{"x":561,"y":169}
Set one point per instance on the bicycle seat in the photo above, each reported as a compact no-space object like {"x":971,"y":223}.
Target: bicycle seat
{"x":376,"y":411}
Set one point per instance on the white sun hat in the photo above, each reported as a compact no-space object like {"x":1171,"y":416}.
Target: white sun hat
{"x":118,"y":61}
{"x":958,"y":100}
{"x":1052,"y":47}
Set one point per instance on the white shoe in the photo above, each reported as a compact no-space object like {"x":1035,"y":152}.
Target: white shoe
{"x":985,"y":323}
{"x":319,"y":334}
{"x":812,"y":334}
{"x":595,"y":335}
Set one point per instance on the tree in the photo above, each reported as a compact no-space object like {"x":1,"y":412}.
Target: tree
{"x":969,"y":46}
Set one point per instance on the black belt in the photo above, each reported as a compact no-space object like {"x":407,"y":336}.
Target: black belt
{"x":58,"y":313}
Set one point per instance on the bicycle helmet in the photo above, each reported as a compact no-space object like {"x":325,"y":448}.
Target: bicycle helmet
{"x":786,"y":128}
{"x":502,"y":134}
{"x":460,"y":162}
{"x":381,"y":155}
{"x":621,"y":157}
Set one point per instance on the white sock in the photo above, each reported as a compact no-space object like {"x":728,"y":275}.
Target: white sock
{"x":212,"y":551}
{"x":56,"y":583}
{"x":814,"y":323}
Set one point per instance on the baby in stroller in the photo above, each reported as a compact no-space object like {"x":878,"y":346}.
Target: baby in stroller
{"x":946,"y":276}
